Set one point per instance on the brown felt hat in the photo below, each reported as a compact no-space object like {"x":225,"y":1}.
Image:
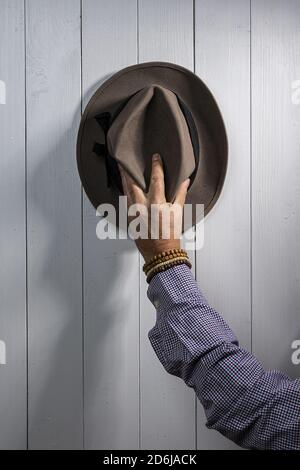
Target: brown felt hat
{"x":149,"y":108}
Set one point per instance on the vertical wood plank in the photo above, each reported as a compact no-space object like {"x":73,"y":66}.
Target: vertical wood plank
{"x":54,"y":225}
{"x":222,"y":55}
{"x":167,"y":406}
{"x":276,"y":182}
{"x":13,"y":399}
{"x":111,"y":282}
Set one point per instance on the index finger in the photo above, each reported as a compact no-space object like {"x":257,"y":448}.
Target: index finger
{"x":157,"y":182}
{"x":133,"y":192}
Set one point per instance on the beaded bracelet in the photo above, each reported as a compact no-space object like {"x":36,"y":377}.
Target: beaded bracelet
{"x":163,"y":256}
{"x":165,"y":260}
{"x":163,"y":266}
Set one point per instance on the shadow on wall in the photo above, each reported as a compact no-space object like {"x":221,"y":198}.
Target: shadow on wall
{"x":55,"y":323}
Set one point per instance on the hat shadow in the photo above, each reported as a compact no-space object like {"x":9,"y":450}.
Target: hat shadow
{"x":57,"y":339}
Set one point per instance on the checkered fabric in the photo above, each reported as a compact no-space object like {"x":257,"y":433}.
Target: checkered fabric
{"x":254,"y":408}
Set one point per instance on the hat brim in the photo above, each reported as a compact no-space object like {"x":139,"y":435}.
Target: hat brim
{"x":208,"y":182}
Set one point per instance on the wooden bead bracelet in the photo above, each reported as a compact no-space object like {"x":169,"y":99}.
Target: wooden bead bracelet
{"x":164,"y":256}
{"x":165,"y":260}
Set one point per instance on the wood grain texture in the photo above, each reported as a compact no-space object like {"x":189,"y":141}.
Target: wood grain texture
{"x":222,"y":34}
{"x":54,"y":225}
{"x":167,"y":406}
{"x":276,"y":182}
{"x":13,"y":395}
{"x":111,"y":268}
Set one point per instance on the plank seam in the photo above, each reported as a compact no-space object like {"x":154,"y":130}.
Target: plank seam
{"x":82,"y":266}
{"x":26,"y":227}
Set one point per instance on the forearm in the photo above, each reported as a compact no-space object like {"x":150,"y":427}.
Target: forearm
{"x":193,"y":342}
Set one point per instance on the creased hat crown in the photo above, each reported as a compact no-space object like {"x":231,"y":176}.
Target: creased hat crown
{"x":152,"y":121}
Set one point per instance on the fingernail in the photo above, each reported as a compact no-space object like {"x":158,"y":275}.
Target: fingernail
{"x":156,"y":156}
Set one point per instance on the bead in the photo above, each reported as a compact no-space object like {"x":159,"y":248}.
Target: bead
{"x":162,"y":262}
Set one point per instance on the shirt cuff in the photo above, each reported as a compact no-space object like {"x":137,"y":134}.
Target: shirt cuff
{"x":172,"y":286}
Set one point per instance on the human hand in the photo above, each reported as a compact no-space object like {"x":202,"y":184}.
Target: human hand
{"x":160,"y":216}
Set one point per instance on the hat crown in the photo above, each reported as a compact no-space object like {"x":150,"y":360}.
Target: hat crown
{"x":152,"y":122}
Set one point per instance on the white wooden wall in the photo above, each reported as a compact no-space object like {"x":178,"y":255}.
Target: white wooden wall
{"x":74,"y":316}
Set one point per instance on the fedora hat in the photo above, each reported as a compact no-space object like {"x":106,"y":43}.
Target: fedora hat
{"x":153,"y":107}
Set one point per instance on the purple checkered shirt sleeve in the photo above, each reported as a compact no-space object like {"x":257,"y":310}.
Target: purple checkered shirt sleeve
{"x":254,"y":408}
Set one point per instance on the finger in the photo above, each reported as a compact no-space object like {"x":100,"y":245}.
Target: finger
{"x":181,"y":193}
{"x":124,"y":184}
{"x":157,"y":182}
{"x":133,"y":192}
